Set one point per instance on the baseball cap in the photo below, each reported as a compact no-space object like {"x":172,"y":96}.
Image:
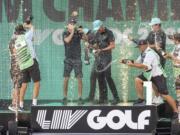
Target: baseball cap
{"x":19,"y":29}
{"x":155,"y":21}
{"x":72,"y":20}
{"x":142,"y":42}
{"x":96,"y":25}
{"x":86,"y":30}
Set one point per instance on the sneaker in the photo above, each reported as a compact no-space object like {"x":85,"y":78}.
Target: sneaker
{"x":80,"y":101}
{"x":157,"y":100}
{"x":12,"y":108}
{"x":64,"y":101}
{"x":103,"y":102}
{"x":115,"y":102}
{"x":21,"y":109}
{"x":139,"y":102}
{"x":86,"y":62}
{"x":88,"y":99}
{"x":175,"y":116}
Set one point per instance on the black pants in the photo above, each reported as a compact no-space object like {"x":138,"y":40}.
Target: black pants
{"x":103,"y":78}
{"x":93,"y":79}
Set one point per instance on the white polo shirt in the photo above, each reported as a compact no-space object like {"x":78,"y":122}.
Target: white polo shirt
{"x":151,"y":59}
{"x":29,"y":39}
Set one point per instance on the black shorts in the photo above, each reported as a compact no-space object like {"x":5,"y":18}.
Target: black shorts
{"x":159,"y":82}
{"x":32,"y":72}
{"x":70,"y":64}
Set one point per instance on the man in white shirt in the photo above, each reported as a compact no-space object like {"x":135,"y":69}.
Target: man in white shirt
{"x":32,"y":72}
{"x":175,"y":57}
{"x":149,"y":61}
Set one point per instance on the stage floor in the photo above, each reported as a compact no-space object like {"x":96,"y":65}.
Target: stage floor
{"x":5,"y":103}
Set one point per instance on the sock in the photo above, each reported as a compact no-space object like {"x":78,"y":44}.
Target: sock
{"x":21,"y":104}
{"x":34,"y":102}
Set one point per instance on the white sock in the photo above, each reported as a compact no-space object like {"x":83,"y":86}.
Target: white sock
{"x":34,"y":102}
{"x":21,"y":104}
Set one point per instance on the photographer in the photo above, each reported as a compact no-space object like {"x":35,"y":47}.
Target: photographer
{"x":149,"y":61}
{"x":72,"y":42}
{"x":32,"y":72}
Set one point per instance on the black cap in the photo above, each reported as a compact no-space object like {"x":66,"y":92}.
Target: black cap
{"x":19,"y":29}
{"x":142,"y":42}
{"x":72,"y":20}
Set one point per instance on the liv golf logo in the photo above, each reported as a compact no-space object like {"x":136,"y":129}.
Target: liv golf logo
{"x":65,"y":119}
{"x":62,"y":119}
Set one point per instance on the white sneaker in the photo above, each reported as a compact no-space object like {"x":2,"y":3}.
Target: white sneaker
{"x":12,"y":108}
{"x":157,"y":100}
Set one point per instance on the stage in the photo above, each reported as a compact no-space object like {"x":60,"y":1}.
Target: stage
{"x":51,"y":117}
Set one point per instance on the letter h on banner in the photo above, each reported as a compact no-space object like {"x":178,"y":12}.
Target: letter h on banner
{"x":148,"y":85}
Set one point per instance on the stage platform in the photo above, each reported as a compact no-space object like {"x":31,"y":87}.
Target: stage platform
{"x":159,"y":119}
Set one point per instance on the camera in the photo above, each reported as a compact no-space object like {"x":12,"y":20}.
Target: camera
{"x":170,"y":37}
{"x":29,"y":19}
{"x":125,"y":61}
{"x":163,"y":53}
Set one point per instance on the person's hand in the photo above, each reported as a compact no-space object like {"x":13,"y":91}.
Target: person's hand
{"x":130,"y":63}
{"x":158,"y":46}
{"x":130,"y":37}
{"x":98,"y":51}
{"x":74,"y":13}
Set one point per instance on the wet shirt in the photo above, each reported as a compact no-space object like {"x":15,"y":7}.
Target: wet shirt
{"x":151,"y":59}
{"x":13,"y":56}
{"x":157,"y":38}
{"x":73,"y":48}
{"x":103,"y":40}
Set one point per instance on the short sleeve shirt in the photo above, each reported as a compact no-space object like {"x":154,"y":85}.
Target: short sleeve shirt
{"x":157,"y":37}
{"x":151,"y":59}
{"x":73,"y":48}
{"x":29,"y":39}
{"x":103,"y":40}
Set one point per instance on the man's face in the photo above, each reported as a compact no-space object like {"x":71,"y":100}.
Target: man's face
{"x":101,"y":29}
{"x":142,"y":48}
{"x":70,"y":26}
{"x":155,"y":27}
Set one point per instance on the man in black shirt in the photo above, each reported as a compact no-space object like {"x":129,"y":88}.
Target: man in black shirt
{"x":72,"y":38}
{"x":106,"y":42}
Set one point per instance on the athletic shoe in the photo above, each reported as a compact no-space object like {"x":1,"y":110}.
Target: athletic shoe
{"x":12,"y":108}
{"x":103,"y":102}
{"x":115,"y":102}
{"x":80,"y":101}
{"x":88,"y":99}
{"x":64,"y":101}
{"x":139,"y":102}
{"x":157,"y":100}
{"x":175,"y":115}
{"x":86,"y":62}
{"x":21,"y":109}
